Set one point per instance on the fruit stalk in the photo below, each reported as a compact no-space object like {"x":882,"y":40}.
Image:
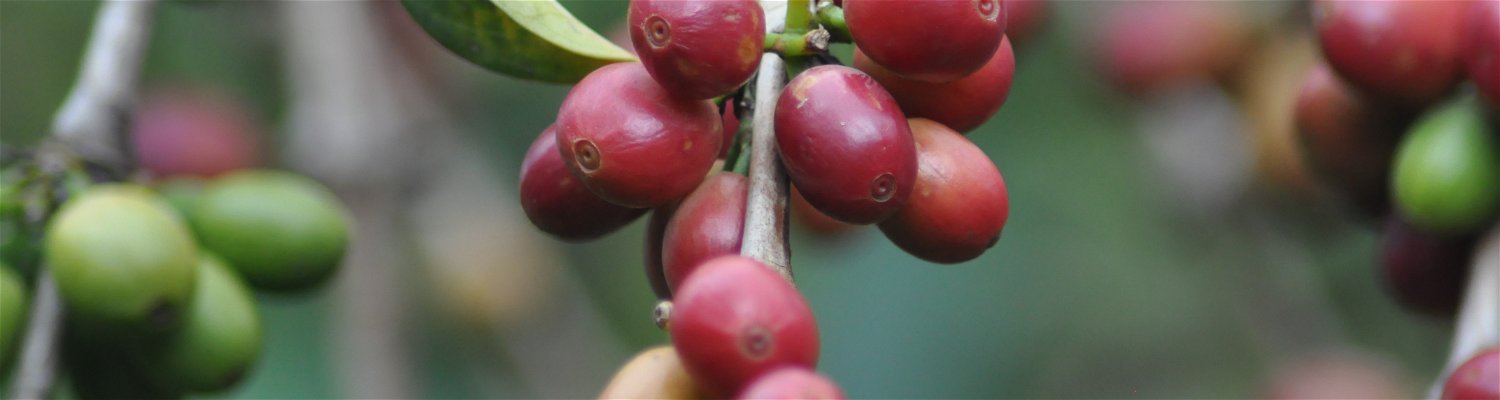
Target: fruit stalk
{"x":765,"y":210}
{"x":90,"y":123}
{"x":1477,"y":327}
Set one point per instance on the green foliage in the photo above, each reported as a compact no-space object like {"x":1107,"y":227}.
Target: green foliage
{"x":536,"y":40}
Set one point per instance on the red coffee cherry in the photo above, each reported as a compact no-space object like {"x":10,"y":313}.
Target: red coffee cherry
{"x":735,"y":319}
{"x":1406,"y":52}
{"x":1023,"y":18}
{"x":558,"y":204}
{"x":1149,"y":46}
{"x":193,"y":132}
{"x":1425,"y":271}
{"x":792,"y":383}
{"x":845,"y":144}
{"x":927,"y":40}
{"x":709,"y":223}
{"x":963,"y":104}
{"x":959,"y":205}
{"x":631,"y":142}
{"x":1478,"y":378}
{"x":656,"y":231}
{"x":1483,"y":50}
{"x":698,"y":49}
{"x":1349,"y":140}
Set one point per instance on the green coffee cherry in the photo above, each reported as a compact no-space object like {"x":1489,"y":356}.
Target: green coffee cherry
{"x":279,"y":230}
{"x":13,"y":311}
{"x":120,"y":255}
{"x":220,"y":337}
{"x":1447,"y":170}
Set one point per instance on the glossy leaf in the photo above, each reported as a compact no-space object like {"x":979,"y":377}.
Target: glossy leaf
{"x":536,"y":40}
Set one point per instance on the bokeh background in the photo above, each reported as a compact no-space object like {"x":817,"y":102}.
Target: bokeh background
{"x":1157,"y":247}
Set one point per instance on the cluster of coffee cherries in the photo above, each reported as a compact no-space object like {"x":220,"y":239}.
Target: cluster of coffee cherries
{"x":879,"y":143}
{"x":156,"y":275}
{"x":1389,"y":122}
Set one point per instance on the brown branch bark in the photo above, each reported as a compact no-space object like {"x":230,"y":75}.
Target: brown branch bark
{"x":765,"y":237}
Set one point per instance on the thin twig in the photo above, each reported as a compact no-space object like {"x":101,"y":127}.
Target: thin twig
{"x":1478,"y":325}
{"x":765,"y":211}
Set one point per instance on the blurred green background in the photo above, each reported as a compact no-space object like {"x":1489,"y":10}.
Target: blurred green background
{"x":1103,"y":286}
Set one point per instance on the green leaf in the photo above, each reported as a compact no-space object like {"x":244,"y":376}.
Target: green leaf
{"x":536,"y":40}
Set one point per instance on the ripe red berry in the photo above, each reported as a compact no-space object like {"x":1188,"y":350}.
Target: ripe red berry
{"x":1349,"y":140}
{"x":963,"y":104}
{"x":1150,"y":46}
{"x":735,"y":319}
{"x":631,"y":142}
{"x":1023,"y":18}
{"x":1478,"y":378}
{"x":959,"y":205}
{"x":558,"y":204}
{"x":1483,"y":50}
{"x":845,"y":144}
{"x":792,"y":383}
{"x":698,"y":49}
{"x":1425,"y":271}
{"x":656,"y":231}
{"x":193,"y":133}
{"x":709,"y":223}
{"x":1406,"y":52}
{"x":927,"y":40}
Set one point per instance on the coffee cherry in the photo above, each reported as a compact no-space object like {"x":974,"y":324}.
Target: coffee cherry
{"x":280,"y":231}
{"x":656,"y":373}
{"x":927,"y":40}
{"x":845,"y":144}
{"x":558,"y":204}
{"x":959,"y":205}
{"x":1424,"y":270}
{"x":735,"y":319}
{"x":1153,"y":46}
{"x":792,"y":383}
{"x":1348,"y":140}
{"x":656,"y":232}
{"x":1447,"y":170}
{"x":1023,"y":18}
{"x":193,"y":133}
{"x":963,"y":104}
{"x":1478,"y":378}
{"x":1483,"y":50}
{"x":1406,"y":52}
{"x":631,"y":142}
{"x":13,"y":312}
{"x":121,"y":256}
{"x":698,"y":49}
{"x":219,"y":340}
{"x":709,"y":223}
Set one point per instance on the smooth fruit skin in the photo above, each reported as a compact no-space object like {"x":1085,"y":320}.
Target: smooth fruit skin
{"x":1478,"y":378}
{"x":845,"y":144}
{"x":709,"y":223}
{"x":963,"y":104}
{"x":656,"y":232}
{"x":13,"y":312}
{"x":1349,"y":140}
{"x":1483,"y":50}
{"x":903,"y":35}
{"x":280,"y":231}
{"x":1151,"y":46}
{"x":698,"y":49}
{"x":1447,"y":170}
{"x":1424,"y":270}
{"x":792,"y":383}
{"x":735,"y":319}
{"x":122,"y":256}
{"x":197,"y":132}
{"x":1024,"y":18}
{"x":656,"y":373}
{"x":220,"y":338}
{"x":1407,"y":52}
{"x":633,"y":143}
{"x":959,"y":205}
{"x":558,"y":204}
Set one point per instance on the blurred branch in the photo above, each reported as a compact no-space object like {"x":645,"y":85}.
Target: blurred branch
{"x":1478,"y":325}
{"x":765,"y":237}
{"x":90,"y":124}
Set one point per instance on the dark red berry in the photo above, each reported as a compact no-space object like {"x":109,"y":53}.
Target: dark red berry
{"x":735,"y":319}
{"x":963,"y":104}
{"x":959,"y":205}
{"x":709,"y":223}
{"x":845,"y":144}
{"x":656,"y":230}
{"x":631,"y":142}
{"x":1150,"y":46}
{"x":1348,"y":140}
{"x":1023,"y":18}
{"x":558,"y":204}
{"x":792,"y":383}
{"x":193,"y":132}
{"x":1425,"y":271}
{"x":927,"y":40}
{"x":698,"y":49}
{"x":1483,"y":50}
{"x":1478,"y":378}
{"x":1406,"y":52}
